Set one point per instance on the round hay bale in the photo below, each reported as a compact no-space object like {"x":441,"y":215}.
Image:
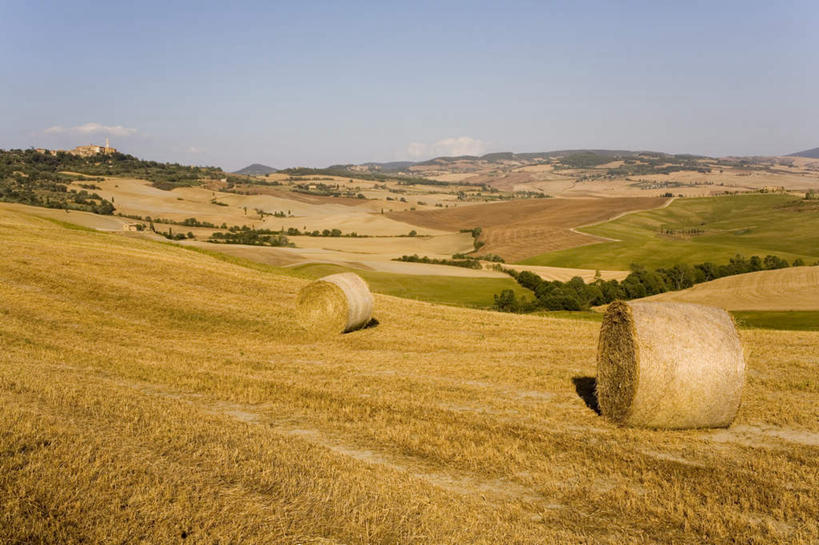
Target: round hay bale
{"x":337,"y":303}
{"x":669,"y":365}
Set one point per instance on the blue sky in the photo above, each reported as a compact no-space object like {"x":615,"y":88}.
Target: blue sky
{"x":317,"y":83}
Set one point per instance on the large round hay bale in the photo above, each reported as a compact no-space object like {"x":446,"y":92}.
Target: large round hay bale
{"x":337,"y":303}
{"x":669,"y":365}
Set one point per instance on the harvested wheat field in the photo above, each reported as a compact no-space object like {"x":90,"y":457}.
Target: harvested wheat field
{"x":519,"y":229}
{"x":150,"y":394}
{"x":795,"y":288}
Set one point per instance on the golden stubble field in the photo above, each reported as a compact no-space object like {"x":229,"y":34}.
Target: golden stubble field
{"x":794,"y":288}
{"x":149,"y":394}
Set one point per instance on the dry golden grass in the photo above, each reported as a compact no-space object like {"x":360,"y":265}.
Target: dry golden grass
{"x":525,"y":228}
{"x":794,"y":288}
{"x":140,"y":198}
{"x":75,"y":217}
{"x":149,"y":393}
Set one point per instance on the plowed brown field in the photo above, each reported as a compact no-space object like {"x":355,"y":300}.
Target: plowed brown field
{"x":519,"y":229}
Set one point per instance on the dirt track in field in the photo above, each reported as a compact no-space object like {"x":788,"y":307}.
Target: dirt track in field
{"x":519,"y":229}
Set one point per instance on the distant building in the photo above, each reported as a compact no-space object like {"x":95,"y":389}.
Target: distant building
{"x":83,"y":151}
{"x":92,"y":149}
{"x":772,"y":189}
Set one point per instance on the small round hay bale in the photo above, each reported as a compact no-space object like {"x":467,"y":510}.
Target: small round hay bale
{"x":669,"y":365}
{"x":337,"y":303}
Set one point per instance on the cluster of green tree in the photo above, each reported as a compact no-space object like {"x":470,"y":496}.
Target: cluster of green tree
{"x":682,"y":232}
{"x":188,"y":222}
{"x":577,"y":295}
{"x":476,"y":234}
{"x":29,"y":177}
{"x":530,"y":195}
{"x":293,"y":232}
{"x":494,"y":258}
{"x":170,"y":235}
{"x":466,"y":263}
{"x":648,"y":163}
{"x":310,"y":179}
{"x":586,"y":159}
{"x":251,"y":237}
{"x":162,"y":175}
{"x":326,"y":190}
{"x":49,"y":191}
{"x":193,"y":222}
{"x":243,"y":186}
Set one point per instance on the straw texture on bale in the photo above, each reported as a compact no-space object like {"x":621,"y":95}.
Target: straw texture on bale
{"x":669,"y":365}
{"x":337,"y":303}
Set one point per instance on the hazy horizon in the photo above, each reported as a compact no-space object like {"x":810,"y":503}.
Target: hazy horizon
{"x":295,"y":85}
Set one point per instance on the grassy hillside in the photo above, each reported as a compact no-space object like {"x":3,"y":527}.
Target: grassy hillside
{"x":794,"y":320}
{"x":756,"y":224}
{"x":449,"y":290}
{"x":446,"y":290}
{"x":153,"y":394}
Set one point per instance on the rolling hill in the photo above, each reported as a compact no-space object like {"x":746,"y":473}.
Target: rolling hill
{"x":699,"y":230}
{"x":795,"y":288}
{"x":256,"y":169}
{"x":517,"y":230}
{"x":137,"y":406}
{"x":810,"y":153}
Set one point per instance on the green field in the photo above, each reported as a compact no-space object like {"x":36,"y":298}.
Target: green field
{"x":757,"y":224}
{"x":448,"y":290}
{"x":789,"y":320}
{"x":792,"y":320}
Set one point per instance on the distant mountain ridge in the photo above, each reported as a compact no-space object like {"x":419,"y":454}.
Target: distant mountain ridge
{"x":256,"y":169}
{"x":494,"y":157}
{"x":810,"y":153}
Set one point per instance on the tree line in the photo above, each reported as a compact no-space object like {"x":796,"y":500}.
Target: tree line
{"x":576,"y":294}
{"x":252,"y":237}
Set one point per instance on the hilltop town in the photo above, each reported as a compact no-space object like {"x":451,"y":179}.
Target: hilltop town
{"x":82,"y":151}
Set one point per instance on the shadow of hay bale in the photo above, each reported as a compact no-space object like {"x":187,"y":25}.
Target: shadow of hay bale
{"x":586,"y":388}
{"x":372,"y":323}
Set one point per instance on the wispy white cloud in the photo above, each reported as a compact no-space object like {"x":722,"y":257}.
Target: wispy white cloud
{"x":462,"y":145}
{"x":417,"y":150}
{"x":91,"y":128}
{"x":194,"y":149}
